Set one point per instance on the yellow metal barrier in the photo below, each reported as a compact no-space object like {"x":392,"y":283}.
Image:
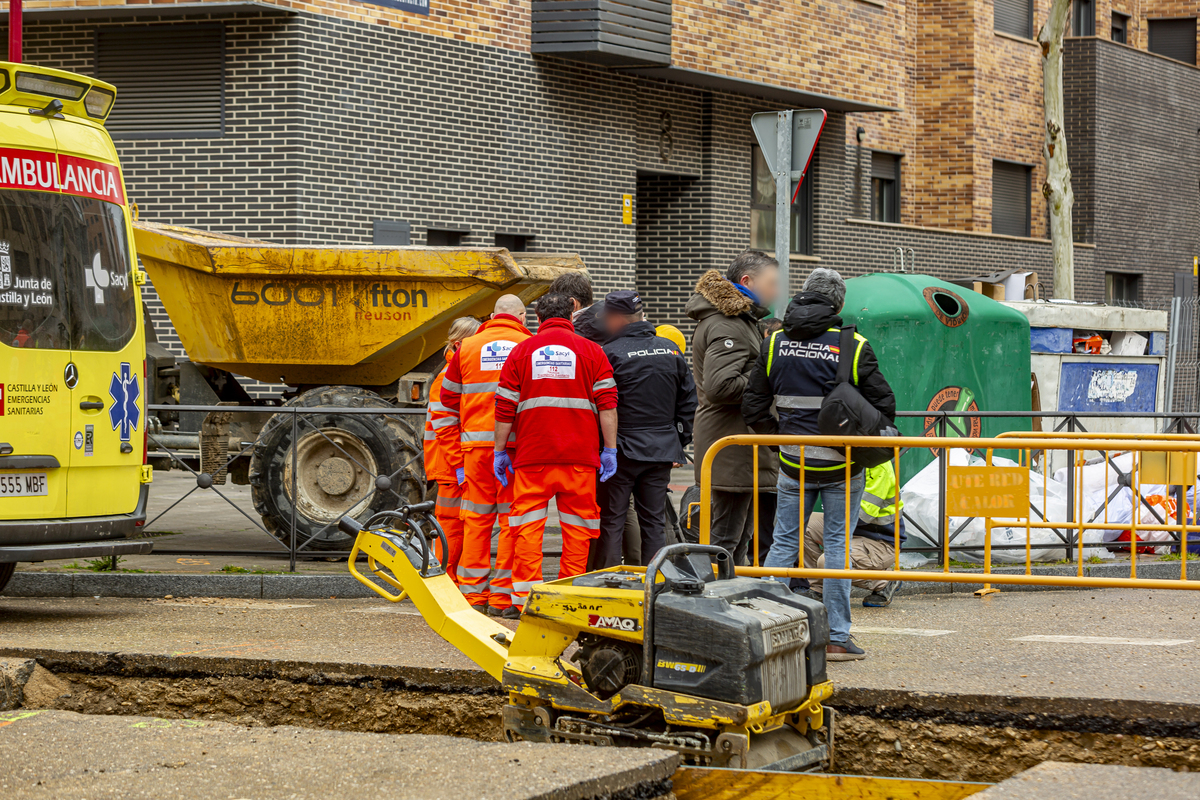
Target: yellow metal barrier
{"x":1171,"y":457}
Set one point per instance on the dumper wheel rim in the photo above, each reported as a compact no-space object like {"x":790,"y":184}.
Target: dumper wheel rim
{"x":335,"y":474}
{"x":394,"y":443}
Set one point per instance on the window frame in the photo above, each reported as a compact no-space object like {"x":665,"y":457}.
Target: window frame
{"x":1130,"y":280}
{"x":184,"y":134}
{"x":802,"y":209}
{"x":1124,"y":28}
{"x":1081,"y":24}
{"x":1150,"y":26}
{"x":1028,"y":196}
{"x":1027,"y":33}
{"x":457,"y":235}
{"x":898,"y":159}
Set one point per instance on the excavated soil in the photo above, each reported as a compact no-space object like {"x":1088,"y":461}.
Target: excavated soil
{"x":867,"y":746}
{"x":249,"y":701}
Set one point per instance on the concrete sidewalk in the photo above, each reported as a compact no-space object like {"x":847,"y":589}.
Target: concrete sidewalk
{"x":62,"y":754}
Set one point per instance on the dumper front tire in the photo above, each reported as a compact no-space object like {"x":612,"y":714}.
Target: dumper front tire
{"x":339,"y":460}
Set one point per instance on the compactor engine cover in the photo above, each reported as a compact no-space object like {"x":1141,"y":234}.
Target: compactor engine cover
{"x":740,"y":641}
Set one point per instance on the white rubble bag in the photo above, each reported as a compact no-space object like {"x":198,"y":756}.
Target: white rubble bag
{"x":1092,"y":486}
{"x":921,"y":496}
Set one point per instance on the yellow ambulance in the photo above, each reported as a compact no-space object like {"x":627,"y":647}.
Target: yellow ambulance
{"x":72,"y":343}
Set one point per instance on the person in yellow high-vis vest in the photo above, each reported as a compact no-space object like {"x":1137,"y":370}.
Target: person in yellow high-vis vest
{"x":873,"y":545}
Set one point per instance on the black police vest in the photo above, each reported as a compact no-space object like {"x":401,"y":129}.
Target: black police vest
{"x":801,"y":373}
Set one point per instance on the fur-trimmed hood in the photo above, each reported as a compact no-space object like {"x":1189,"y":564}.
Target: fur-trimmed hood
{"x":716,"y":295}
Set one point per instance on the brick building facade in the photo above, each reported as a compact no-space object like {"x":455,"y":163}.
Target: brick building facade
{"x":495,"y":121}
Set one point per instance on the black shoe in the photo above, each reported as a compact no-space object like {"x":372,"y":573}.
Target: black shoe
{"x":809,"y":593}
{"x":844,"y":651}
{"x":512,"y":612}
{"x":482,"y":608}
{"x":882,"y":599}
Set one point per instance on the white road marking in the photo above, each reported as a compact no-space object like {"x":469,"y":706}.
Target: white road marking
{"x":1102,"y":640}
{"x":899,"y":631}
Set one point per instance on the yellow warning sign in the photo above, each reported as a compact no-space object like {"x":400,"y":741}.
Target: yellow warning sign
{"x":627,"y":209}
{"x":987,"y":492}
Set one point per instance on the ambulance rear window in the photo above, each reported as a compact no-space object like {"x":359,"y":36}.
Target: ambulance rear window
{"x":64,"y":273}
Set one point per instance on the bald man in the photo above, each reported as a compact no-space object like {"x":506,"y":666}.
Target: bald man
{"x":468,"y":397}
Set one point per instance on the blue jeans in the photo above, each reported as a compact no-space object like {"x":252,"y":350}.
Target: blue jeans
{"x":785,"y":549}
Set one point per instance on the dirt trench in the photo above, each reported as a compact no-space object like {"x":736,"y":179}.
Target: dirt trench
{"x":865,"y":745}
{"x":252,"y":701}
{"x":903,"y":749}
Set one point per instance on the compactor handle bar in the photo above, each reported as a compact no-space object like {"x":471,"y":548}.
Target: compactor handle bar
{"x":407,"y":520}
{"x":725,"y":572}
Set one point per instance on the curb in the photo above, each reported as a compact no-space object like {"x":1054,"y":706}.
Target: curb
{"x":318,"y":587}
{"x":251,"y":587}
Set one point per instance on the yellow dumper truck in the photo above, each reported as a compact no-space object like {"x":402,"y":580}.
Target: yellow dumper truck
{"x":342,"y":327}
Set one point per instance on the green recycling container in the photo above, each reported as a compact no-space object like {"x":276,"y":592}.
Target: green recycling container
{"x":943,"y":348}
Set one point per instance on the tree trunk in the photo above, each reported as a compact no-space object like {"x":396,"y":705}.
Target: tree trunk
{"x":1057,"y":187}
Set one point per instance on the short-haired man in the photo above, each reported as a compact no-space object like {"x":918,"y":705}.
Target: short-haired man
{"x":795,"y":369}
{"x":656,"y":400}
{"x":558,"y":396}
{"x":578,"y":287}
{"x":727,"y":308}
{"x":468,"y":396}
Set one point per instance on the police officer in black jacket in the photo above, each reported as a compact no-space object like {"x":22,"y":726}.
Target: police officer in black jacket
{"x":656,"y":400}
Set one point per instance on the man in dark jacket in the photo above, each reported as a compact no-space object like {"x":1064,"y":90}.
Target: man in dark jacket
{"x":577,"y":286}
{"x":724,"y":345}
{"x":656,"y":401}
{"x":795,"y":369}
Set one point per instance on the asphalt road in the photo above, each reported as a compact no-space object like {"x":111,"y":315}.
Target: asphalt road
{"x":1138,"y":645}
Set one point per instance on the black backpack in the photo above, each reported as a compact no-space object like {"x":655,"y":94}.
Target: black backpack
{"x":845,"y":412}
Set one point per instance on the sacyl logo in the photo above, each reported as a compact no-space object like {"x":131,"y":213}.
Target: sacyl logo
{"x":98,"y":279}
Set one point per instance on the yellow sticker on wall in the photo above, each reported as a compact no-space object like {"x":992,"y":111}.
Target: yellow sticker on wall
{"x":627,"y":209}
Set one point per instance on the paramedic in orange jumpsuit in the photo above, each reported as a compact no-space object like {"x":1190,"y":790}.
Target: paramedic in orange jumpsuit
{"x":552,"y":390}
{"x":468,"y":392}
{"x":437,"y":466}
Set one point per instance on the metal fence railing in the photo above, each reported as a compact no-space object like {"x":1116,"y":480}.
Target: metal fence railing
{"x":307,"y":466}
{"x":1001,"y":496}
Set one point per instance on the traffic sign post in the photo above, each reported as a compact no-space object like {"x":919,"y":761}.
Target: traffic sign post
{"x":788,"y":140}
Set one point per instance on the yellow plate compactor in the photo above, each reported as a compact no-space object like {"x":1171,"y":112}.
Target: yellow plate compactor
{"x":727,"y":671}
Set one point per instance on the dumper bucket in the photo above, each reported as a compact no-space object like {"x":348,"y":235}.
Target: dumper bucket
{"x":307,"y":315}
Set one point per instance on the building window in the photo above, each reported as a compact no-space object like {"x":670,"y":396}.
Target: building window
{"x":1173,"y":38}
{"x":1120,"y":288}
{"x":762,"y":207}
{"x":444,"y":238}
{"x":391,"y":233}
{"x":1083,"y":18}
{"x":1120,"y":28}
{"x":514,"y":242}
{"x":170,"y":80}
{"x":885,"y":187}
{"x":1010,"y":198}
{"x":1014,"y":17}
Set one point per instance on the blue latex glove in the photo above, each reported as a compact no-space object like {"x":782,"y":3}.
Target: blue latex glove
{"x":608,"y":463}
{"x":460,"y":475}
{"x":501,"y":464}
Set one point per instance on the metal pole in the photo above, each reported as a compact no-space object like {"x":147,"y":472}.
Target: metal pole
{"x":1071,"y":489}
{"x":295,"y":495}
{"x":1172,"y":355}
{"x":783,"y":202}
{"x":943,"y":528}
{"x":14,"y":31}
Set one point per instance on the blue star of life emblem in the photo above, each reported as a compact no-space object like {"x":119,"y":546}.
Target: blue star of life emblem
{"x":124,"y":412}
